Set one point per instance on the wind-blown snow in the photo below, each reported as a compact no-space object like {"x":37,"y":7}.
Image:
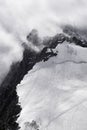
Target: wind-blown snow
{"x":54,"y":93}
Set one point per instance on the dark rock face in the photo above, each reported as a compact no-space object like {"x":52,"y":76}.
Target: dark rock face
{"x":9,"y":107}
{"x":77,"y":36}
{"x":32,"y":125}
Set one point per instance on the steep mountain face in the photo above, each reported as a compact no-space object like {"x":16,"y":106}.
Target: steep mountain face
{"x":10,"y":109}
{"x":54,"y":94}
{"x":42,"y":87}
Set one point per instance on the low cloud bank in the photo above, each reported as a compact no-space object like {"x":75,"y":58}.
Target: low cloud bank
{"x":19,"y":17}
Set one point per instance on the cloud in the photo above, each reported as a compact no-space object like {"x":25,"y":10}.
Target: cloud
{"x":10,"y":51}
{"x":19,"y":17}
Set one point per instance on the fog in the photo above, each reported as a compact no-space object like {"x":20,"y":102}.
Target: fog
{"x":19,"y":17}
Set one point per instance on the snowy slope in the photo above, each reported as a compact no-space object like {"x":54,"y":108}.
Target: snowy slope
{"x":54,"y":93}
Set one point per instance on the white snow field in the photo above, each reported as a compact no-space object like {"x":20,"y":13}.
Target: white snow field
{"x":54,"y":93}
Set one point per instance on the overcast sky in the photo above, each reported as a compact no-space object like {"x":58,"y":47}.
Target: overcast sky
{"x":18,"y":17}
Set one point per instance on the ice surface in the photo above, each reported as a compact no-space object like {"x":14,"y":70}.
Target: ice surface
{"x":54,"y":93}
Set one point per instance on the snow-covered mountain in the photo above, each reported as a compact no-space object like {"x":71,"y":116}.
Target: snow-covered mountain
{"x":46,"y":90}
{"x":53,"y":95}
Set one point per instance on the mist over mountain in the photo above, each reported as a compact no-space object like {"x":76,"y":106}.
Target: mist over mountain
{"x":18,"y":18}
{"x":71,"y":43}
{"x":43,"y":64}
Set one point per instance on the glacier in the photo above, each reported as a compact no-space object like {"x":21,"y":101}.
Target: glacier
{"x":54,"y":92}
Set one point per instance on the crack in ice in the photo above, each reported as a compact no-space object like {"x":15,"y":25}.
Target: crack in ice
{"x":62,"y":62}
{"x":66,"y":111}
